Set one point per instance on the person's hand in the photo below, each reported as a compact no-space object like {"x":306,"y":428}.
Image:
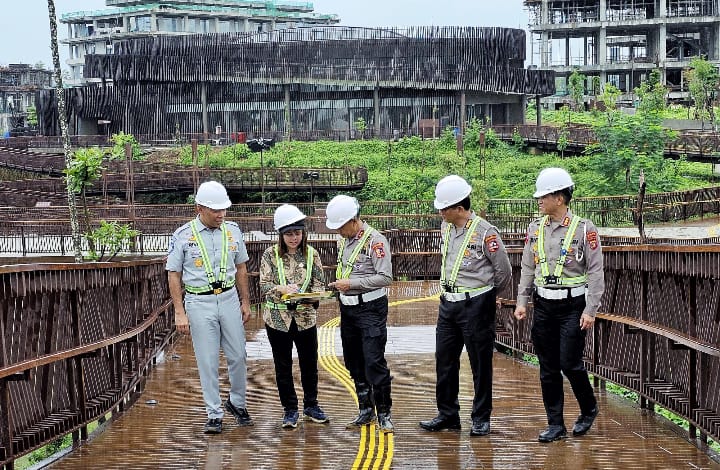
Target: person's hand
{"x":288,"y":289}
{"x":586,"y":321}
{"x":520,"y":312}
{"x":245,"y":310}
{"x":343,"y":285}
{"x":181,"y":322}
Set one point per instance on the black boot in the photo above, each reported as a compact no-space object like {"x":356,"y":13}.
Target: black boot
{"x":366,"y":414}
{"x":383,"y":402}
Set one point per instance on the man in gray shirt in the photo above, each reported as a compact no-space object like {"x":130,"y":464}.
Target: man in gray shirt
{"x":206,"y":259}
{"x":364,"y":270}
{"x":475,"y":268}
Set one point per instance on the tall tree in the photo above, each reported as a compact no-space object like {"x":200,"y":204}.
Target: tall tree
{"x":576,"y":88}
{"x":62,"y":117}
{"x":652,"y":94}
{"x":702,"y":79}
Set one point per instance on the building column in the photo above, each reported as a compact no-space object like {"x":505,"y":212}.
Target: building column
{"x":603,"y":10}
{"x":203,"y":101}
{"x":544,"y":12}
{"x":376,"y":109}
{"x":544,"y":50}
{"x":601,"y":47}
{"x":153,"y":22}
{"x":567,"y":49}
{"x":661,"y":46}
{"x":287,"y":109}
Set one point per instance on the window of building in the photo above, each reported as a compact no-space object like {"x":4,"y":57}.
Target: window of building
{"x":170,"y":24}
{"x":199,"y":25}
{"x":227,"y":26}
{"x":140,"y":23}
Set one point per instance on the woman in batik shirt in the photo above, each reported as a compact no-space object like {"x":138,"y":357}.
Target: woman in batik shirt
{"x":292,"y":266}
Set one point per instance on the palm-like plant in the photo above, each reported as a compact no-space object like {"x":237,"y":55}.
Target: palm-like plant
{"x":62,"y":117}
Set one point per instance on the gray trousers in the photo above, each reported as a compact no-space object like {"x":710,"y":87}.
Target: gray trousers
{"x":216,"y":321}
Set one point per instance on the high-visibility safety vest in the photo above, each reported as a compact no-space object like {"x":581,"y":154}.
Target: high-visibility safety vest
{"x":221,"y":283}
{"x":557,"y":277}
{"x":449,"y":284}
{"x":341,"y":273}
{"x":283,"y":280}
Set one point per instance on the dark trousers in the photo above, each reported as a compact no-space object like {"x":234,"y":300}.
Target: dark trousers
{"x":306,"y":343}
{"x":470,"y":323}
{"x":363,"y":330}
{"x":559,"y":344}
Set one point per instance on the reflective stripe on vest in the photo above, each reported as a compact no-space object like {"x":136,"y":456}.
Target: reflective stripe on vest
{"x":345,"y":274}
{"x":283,"y":280}
{"x":560,"y":263}
{"x":208,"y":265}
{"x":458,"y":259}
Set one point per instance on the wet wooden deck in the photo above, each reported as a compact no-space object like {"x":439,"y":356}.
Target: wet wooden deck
{"x":169,"y":434}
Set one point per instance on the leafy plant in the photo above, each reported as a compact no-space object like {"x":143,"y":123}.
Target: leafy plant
{"x":360,"y":126}
{"x":117,"y":152}
{"x":576,"y":87}
{"x":702,"y":79}
{"x":109,"y":239}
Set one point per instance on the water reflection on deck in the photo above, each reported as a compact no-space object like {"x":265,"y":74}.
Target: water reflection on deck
{"x":169,"y":434}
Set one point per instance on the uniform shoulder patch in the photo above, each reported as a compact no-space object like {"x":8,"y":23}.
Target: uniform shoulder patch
{"x":592,"y":238}
{"x":378,"y":249}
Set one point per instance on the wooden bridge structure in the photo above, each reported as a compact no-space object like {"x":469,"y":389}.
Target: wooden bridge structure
{"x":696,"y":146}
{"x":80,"y":341}
{"x":124,"y":179}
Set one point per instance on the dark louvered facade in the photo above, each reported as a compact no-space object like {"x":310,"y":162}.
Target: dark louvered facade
{"x":307,"y":79}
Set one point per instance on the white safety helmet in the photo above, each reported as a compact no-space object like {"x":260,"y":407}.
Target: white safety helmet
{"x":288,"y":217}
{"x":551,"y":180}
{"x":451,"y":190}
{"x":213,"y":195}
{"x":340,"y":210}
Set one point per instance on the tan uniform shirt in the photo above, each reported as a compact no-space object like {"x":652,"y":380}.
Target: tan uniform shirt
{"x":373,"y":267}
{"x":485,"y":262}
{"x":295,"y":271}
{"x":584,"y":257}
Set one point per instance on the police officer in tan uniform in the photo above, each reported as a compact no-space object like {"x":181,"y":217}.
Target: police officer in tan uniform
{"x":364,"y":270}
{"x":475,"y":267}
{"x":562,"y":271}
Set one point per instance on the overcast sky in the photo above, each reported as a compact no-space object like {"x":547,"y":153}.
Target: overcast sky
{"x":25,"y":36}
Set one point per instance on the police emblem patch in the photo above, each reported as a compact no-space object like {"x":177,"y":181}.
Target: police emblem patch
{"x":199,"y":262}
{"x":592,"y":238}
{"x":379,"y":249}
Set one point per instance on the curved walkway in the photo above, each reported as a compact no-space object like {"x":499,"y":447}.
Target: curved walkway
{"x":169,"y":434}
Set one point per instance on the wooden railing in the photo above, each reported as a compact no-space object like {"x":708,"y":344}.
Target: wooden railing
{"x":660,"y":333}
{"x":77,"y":342}
{"x":695,"y":145}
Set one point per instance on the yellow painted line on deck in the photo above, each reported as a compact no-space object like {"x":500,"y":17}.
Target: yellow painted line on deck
{"x":375,"y":449}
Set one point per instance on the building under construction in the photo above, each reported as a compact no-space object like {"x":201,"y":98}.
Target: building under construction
{"x":621,"y":41}
{"x":305,"y":80}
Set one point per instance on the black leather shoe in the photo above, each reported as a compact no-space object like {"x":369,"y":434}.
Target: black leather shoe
{"x":554,"y":432}
{"x":584,"y":422}
{"x":480,"y":428}
{"x":438,"y":423}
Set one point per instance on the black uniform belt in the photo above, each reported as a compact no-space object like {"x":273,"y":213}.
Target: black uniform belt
{"x":217,"y":291}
